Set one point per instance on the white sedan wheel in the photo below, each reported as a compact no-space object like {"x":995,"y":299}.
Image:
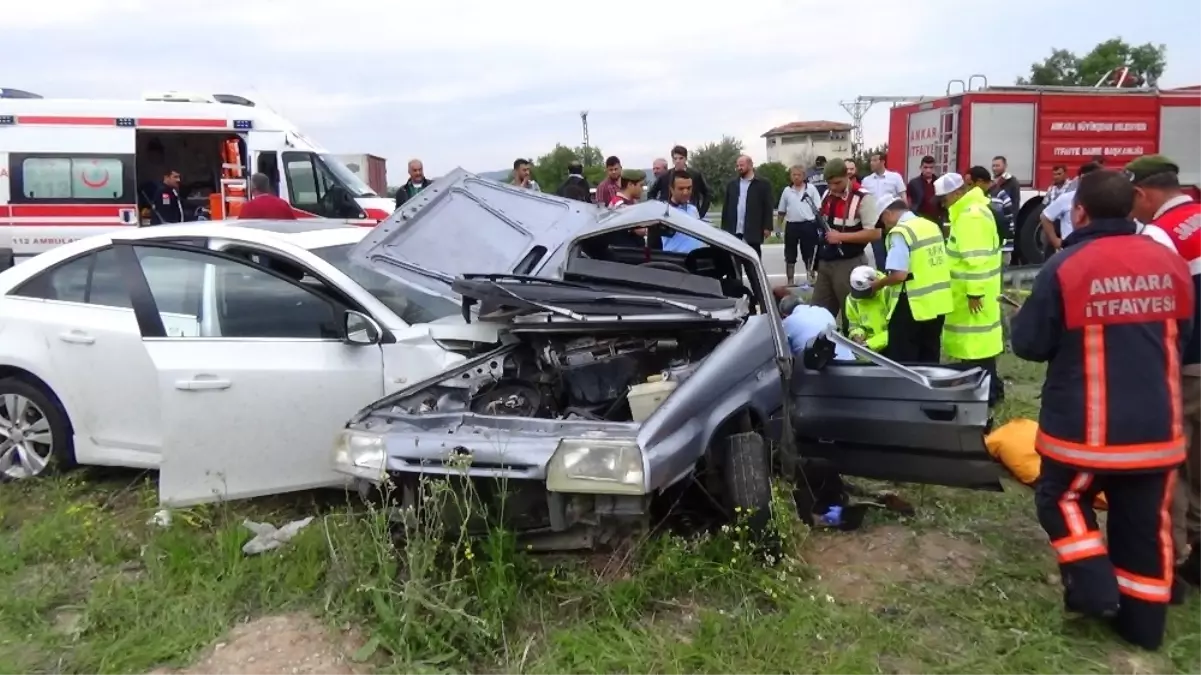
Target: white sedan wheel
{"x":26,"y":441}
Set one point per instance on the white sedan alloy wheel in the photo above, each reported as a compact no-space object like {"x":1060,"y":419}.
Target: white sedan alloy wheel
{"x":26,"y":442}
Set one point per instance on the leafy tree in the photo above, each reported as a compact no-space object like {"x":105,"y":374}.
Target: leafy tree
{"x":776,"y":174}
{"x":550,"y":170}
{"x":715,"y":161}
{"x":1064,"y":68}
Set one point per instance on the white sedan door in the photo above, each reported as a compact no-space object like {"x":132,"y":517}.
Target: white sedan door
{"x":255,"y":396}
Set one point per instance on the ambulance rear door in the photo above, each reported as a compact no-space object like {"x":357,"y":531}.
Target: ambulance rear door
{"x":68,"y":177}
{"x":266,"y":147}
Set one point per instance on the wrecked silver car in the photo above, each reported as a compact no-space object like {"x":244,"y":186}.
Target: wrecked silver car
{"x":621,"y":370}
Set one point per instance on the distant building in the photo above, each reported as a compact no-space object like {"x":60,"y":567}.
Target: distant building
{"x":802,"y":142}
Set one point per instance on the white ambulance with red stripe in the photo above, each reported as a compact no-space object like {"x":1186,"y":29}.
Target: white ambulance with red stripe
{"x":72,"y":168}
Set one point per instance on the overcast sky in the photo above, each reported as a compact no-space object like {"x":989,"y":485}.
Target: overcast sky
{"x":478,"y":82}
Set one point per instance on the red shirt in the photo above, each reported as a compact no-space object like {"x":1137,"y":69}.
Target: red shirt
{"x":607,"y":189}
{"x":267,"y":207}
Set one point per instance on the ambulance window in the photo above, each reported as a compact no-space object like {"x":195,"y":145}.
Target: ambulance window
{"x":87,"y":178}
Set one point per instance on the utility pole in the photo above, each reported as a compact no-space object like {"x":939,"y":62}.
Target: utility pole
{"x":584,"y":122}
{"x":859,"y":107}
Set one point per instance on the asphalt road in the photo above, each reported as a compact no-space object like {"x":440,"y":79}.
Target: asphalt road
{"x":773,"y":262}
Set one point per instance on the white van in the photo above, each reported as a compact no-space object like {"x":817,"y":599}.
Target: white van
{"x":72,"y":168}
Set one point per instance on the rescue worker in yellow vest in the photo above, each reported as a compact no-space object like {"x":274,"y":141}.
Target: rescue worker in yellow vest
{"x":972,"y":333}
{"x":867,"y":310}
{"x":918,"y":276}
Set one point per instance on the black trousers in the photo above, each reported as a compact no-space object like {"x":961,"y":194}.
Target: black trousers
{"x":800,"y":235}
{"x":910,"y":340}
{"x":1134,"y":575}
{"x":880,"y":252}
{"x":996,"y":386}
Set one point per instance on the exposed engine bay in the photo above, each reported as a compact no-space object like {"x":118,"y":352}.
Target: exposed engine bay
{"x":573,"y":377}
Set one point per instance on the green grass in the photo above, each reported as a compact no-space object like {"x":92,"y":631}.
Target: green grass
{"x":967,"y":585}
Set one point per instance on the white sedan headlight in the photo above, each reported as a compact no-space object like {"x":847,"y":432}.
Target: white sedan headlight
{"x":596,"y":466}
{"x":360,"y":454}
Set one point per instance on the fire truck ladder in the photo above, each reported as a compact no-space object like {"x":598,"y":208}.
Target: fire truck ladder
{"x":859,"y":107}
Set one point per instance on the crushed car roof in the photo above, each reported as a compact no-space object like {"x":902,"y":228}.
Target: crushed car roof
{"x":463,"y":224}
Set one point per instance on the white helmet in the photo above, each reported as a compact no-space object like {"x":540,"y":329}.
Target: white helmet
{"x":862,"y":278}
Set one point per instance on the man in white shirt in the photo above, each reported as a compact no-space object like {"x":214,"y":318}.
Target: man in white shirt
{"x":1059,"y":211}
{"x":797,"y":212}
{"x":884,"y":185}
{"x":805,"y":323}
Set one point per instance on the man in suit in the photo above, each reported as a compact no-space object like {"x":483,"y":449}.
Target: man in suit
{"x":747,"y":209}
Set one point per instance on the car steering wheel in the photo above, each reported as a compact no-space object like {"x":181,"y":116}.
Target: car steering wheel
{"x":664,"y":265}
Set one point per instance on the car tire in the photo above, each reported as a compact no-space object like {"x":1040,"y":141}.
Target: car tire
{"x":1029,"y":241}
{"x":747,"y":472}
{"x":40,"y":412}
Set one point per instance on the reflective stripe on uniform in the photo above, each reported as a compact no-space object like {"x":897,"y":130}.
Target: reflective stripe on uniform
{"x":1112,"y":457}
{"x":1074,"y":548}
{"x":926,"y":290}
{"x":913,"y":242}
{"x":1095,"y":394}
{"x":978,"y":253}
{"x":1144,"y":588}
{"x":975,"y":276}
{"x":956,"y":328}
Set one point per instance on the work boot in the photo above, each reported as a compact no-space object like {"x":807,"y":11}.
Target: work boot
{"x":790,"y":272}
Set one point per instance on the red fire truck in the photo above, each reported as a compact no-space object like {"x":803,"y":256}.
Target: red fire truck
{"x":1037,"y":128}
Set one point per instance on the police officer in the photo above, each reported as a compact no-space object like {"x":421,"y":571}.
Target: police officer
{"x":1109,"y":315}
{"x":868,"y":310}
{"x":972,"y":332}
{"x":167,"y":206}
{"x":846,"y":236}
{"x":919,"y":274}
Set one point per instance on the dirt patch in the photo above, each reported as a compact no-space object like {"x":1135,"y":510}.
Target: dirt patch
{"x":288,"y":643}
{"x":1134,"y":663}
{"x":855,"y":566}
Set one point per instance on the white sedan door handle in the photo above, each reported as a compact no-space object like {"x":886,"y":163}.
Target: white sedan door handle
{"x":76,"y":337}
{"x":202,"y":383}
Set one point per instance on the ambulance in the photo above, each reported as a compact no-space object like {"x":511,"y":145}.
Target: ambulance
{"x":73,"y":168}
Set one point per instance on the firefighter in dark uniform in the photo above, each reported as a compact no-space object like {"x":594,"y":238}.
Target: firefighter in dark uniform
{"x":167,"y":206}
{"x":1109,"y":315}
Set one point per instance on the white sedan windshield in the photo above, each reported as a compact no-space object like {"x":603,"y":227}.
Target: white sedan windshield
{"x":412,"y":304}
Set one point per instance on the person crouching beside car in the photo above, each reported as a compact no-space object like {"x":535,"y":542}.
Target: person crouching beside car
{"x":868,"y":310}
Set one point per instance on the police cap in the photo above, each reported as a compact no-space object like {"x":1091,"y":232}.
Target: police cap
{"x":835,"y":168}
{"x":633,"y":175}
{"x":1147,"y":166}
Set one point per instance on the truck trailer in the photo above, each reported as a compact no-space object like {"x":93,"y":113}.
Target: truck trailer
{"x":1039,"y":127}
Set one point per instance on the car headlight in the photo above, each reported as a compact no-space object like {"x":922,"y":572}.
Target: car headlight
{"x":596,"y":466}
{"x":361,"y":454}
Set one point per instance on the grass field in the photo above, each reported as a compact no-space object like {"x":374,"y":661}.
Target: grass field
{"x":968,"y":585}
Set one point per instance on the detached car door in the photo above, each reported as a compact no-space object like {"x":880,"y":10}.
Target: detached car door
{"x":883,"y":420}
{"x":254,"y":377}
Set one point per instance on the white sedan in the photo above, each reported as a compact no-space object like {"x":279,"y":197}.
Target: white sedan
{"x":227,"y":355}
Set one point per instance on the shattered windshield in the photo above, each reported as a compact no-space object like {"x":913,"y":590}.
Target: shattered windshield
{"x":412,"y":304}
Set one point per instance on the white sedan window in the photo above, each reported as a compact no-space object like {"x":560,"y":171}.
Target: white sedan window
{"x":203,"y":295}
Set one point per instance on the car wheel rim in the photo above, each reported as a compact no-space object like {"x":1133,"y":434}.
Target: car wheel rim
{"x":26,"y":442}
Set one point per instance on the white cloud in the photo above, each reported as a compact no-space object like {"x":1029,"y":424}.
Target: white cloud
{"x":478,"y":82}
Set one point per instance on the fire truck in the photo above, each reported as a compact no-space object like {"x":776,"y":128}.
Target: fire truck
{"x":1037,"y":128}
{"x":72,"y":168}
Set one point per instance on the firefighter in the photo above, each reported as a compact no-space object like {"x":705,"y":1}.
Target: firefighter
{"x":1109,"y":314}
{"x":1158,"y":199}
{"x":167,"y":206}
{"x":916,"y":262}
{"x":868,"y":310}
{"x":972,"y":333}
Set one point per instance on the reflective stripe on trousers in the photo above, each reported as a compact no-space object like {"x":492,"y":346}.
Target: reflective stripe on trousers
{"x":1116,"y":457}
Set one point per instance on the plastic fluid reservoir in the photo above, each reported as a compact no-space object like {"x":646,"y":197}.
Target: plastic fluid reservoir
{"x":645,"y":397}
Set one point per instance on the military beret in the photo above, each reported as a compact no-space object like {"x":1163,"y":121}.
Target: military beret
{"x":1149,"y":165}
{"x":633,"y":175}
{"x":835,"y":168}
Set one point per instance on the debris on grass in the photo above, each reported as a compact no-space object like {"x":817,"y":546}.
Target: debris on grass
{"x":267,"y":537}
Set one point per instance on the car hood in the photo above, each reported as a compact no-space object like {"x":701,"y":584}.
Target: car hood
{"x":465,"y":224}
